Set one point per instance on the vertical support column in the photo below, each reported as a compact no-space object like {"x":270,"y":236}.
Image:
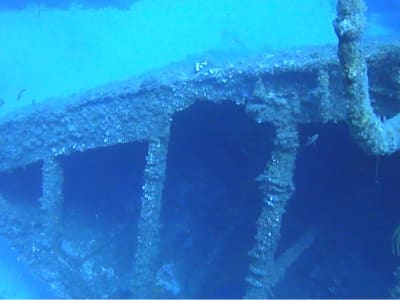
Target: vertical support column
{"x":148,"y":237}
{"x":276,"y":185}
{"x":51,"y":202}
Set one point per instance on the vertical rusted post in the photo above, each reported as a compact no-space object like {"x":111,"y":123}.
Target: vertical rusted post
{"x":276,"y":185}
{"x":148,"y":237}
{"x":51,"y":202}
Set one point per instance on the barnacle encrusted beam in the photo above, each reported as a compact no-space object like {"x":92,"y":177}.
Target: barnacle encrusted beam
{"x":148,"y":236}
{"x":131,"y":110}
{"x":276,"y":185}
{"x":374,"y":135}
{"x":51,"y":202}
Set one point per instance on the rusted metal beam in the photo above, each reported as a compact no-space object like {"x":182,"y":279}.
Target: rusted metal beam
{"x":133,"y":110}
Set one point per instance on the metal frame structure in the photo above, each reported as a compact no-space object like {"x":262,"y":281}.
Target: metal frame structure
{"x":287,"y":89}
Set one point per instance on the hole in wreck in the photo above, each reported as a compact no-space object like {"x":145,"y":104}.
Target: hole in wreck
{"x":353,"y":218}
{"x":20,"y":190}
{"x":211,"y":201}
{"x":22,"y":186}
{"x":102,"y":189}
{"x":384,"y":86}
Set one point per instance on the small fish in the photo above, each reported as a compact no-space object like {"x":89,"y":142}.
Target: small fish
{"x":312,"y":140}
{"x":20,"y":93}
